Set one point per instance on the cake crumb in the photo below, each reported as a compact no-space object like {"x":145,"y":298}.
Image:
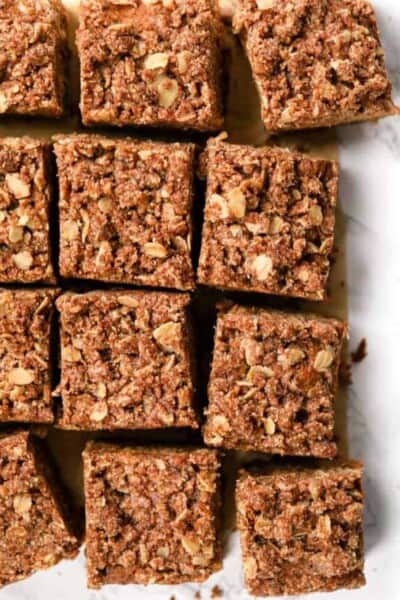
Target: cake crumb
{"x":216,"y":592}
{"x":197,"y":595}
{"x":360,"y":353}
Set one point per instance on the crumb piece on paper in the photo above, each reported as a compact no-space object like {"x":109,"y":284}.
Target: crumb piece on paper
{"x":360,"y":352}
{"x":216,"y":592}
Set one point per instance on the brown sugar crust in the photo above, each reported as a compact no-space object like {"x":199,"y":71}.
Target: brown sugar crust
{"x":269,"y":221}
{"x":33,"y":42}
{"x":36,"y":530}
{"x":25,"y":197}
{"x":25,"y":367}
{"x":125,"y":210}
{"x":301,"y":530}
{"x":151,"y":514}
{"x":273,"y":382}
{"x":126,"y":361}
{"x":154,"y":63}
{"x":316,"y":63}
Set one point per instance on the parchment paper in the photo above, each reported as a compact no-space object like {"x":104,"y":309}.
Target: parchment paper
{"x":243,"y":125}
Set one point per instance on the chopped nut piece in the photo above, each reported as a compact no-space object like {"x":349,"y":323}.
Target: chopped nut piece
{"x":237,"y":203}
{"x":292,"y":356}
{"x":218,"y":200}
{"x":3,"y":103}
{"x":21,"y":376}
{"x":128,"y":301}
{"x":99,"y":412}
{"x":23,"y":260}
{"x":183,"y":61}
{"x":105,"y":205}
{"x":191,"y":546}
{"x":17,"y":186}
{"x":158,"y":60}
{"x":15,"y":234}
{"x":265,"y":4}
{"x":250,"y":568}
{"x":324,"y":359}
{"x":315,"y":489}
{"x":70,"y":230}
{"x":276,"y":225}
{"x":101,"y":391}
{"x":71,"y":354}
{"x":22,"y":503}
{"x":127,"y":486}
{"x":167,"y":335}
{"x":155,"y":250}
{"x":324,"y":526}
{"x":316,"y":215}
{"x":259,"y":370}
{"x":168,"y":91}
{"x":262,"y":265}
{"x":270,"y":426}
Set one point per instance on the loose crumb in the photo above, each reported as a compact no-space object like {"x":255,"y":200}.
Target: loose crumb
{"x":360,"y":353}
{"x":216,"y":592}
{"x":197,"y":596}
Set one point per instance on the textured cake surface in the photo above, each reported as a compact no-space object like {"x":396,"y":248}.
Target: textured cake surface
{"x":316,"y":63}
{"x":152,"y":514}
{"x":301,"y":529}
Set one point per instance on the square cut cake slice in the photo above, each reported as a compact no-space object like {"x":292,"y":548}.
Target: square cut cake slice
{"x":151,"y":63}
{"x":152,"y":514}
{"x":126,"y":210}
{"x":25,"y":204}
{"x":36,"y":526}
{"x":301,"y":529}
{"x":273,"y":382}
{"x":269,"y":220}
{"x":34,"y":52}
{"x":126,"y":361}
{"x":26,"y":364}
{"x":316,"y":63}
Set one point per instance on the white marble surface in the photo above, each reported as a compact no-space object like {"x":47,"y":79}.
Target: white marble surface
{"x":370,"y":197}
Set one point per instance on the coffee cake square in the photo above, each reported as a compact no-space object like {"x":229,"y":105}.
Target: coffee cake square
{"x":34,"y":52}
{"x":151,"y":63}
{"x":273,"y":382}
{"x":25,"y":355}
{"x":125,"y":210}
{"x":301,"y":529}
{"x":126,"y":361}
{"x":25,"y":201}
{"x":269,"y":221}
{"x":152,"y":514}
{"x":316,"y":63}
{"x":37,"y":528}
